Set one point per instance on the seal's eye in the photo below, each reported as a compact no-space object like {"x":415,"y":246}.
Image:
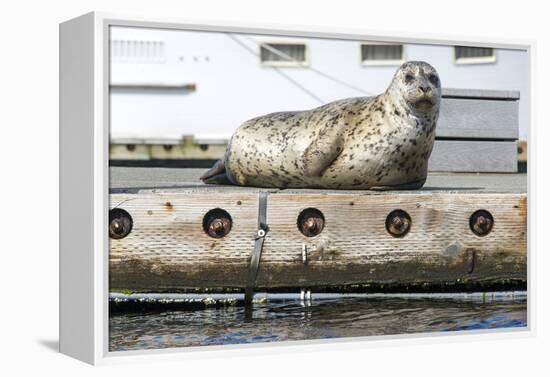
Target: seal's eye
{"x":409,"y":78}
{"x":433,"y":79}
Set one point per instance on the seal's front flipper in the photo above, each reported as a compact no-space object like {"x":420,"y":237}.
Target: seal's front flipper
{"x":322,"y":152}
{"x":216,"y":174}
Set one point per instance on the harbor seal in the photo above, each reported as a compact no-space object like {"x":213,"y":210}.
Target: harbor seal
{"x":380,"y":142}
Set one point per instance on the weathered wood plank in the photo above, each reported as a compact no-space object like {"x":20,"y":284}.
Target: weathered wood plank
{"x":188,"y":151}
{"x":504,"y":95}
{"x":522,"y":151}
{"x":129,"y":152}
{"x":474,"y":156}
{"x":478,"y":119}
{"x":168,"y":250}
{"x":138,"y":179}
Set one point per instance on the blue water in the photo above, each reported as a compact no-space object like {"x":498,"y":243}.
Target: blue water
{"x":319,"y":319}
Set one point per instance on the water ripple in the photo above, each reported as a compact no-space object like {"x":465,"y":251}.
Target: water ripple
{"x":321,"y":319}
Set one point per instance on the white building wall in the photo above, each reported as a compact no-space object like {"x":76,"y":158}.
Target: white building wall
{"x":232,"y":85}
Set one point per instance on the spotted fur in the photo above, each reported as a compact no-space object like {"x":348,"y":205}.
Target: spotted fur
{"x":357,"y":143}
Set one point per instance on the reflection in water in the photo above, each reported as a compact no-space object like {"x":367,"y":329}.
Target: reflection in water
{"x":319,"y":319}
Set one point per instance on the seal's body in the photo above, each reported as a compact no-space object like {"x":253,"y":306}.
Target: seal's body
{"x":358,"y":143}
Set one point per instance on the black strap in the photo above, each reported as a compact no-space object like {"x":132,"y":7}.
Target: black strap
{"x":258,"y":245}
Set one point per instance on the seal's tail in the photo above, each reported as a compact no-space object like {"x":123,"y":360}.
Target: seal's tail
{"x":216,"y":174}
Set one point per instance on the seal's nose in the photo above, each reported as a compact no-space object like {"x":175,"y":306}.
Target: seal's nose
{"x":424,"y":89}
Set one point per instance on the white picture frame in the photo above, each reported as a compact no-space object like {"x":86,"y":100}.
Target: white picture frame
{"x":84,"y":192}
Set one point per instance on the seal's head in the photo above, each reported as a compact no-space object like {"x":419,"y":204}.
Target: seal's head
{"x":417,"y":84}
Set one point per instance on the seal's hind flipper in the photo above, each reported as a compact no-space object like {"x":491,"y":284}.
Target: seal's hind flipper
{"x":218,"y":179}
{"x":216,"y":174}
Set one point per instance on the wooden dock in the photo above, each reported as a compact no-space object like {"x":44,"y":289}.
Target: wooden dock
{"x":169,"y":234}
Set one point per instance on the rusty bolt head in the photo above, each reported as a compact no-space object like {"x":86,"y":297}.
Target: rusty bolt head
{"x":219,"y":227}
{"x":398,"y":223}
{"x":481,"y":222}
{"x":311,"y":222}
{"x":217,"y":223}
{"x":120,"y":223}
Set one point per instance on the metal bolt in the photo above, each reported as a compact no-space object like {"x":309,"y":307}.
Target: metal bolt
{"x":398,"y":223}
{"x":131,"y":147}
{"x":311,"y":222}
{"x":481,"y":222}
{"x":217,"y":223}
{"x":120,"y":223}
